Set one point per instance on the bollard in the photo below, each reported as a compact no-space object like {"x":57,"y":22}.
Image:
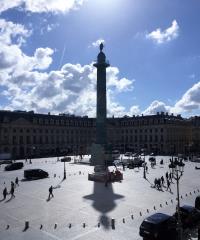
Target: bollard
{"x":98,"y":225}
{"x":190,"y":193}
{"x":79,"y":172}
{"x":55,"y":226}
{"x":186,"y":194}
{"x":113,"y":223}
{"x":198,"y":190}
{"x":147,"y":210}
{"x":194,"y":191}
{"x":123,"y":220}
{"x":41,"y":226}
{"x":54,"y":175}
{"x":166,"y":203}
{"x":70,"y":225}
{"x":84,"y":225}
{"x":181,"y":197}
{"x":171,"y":201}
{"x":154,"y":207}
{"x":140,"y":213}
{"x":160,"y":205}
{"x":132,"y":217}
{"x":7,"y":227}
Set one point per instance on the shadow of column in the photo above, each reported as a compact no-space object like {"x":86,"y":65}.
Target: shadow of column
{"x":103,"y":200}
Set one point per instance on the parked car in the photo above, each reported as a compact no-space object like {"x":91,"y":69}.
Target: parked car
{"x":5,"y":162}
{"x":197,"y":202}
{"x":136,"y":162}
{"x":189,"y":216}
{"x":152,"y":159}
{"x":158,"y":226}
{"x":128,"y":154}
{"x":35,"y":174}
{"x":65,"y":159}
{"x":195,"y":159}
{"x":14,"y":166}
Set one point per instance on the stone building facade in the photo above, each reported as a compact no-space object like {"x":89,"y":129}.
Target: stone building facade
{"x":28,"y":134}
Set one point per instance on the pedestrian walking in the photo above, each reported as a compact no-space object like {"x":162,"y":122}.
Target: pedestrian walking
{"x":168,"y":185}
{"x":5,"y":192}
{"x":12,"y":190}
{"x":12,"y":184}
{"x":151,"y":164}
{"x":166,"y":175}
{"x":146,"y":169}
{"x":123,"y":165}
{"x":51,"y":192}
{"x":162,"y":180}
{"x":159,"y":183}
{"x":170,"y":177}
{"x":155,"y":182}
{"x":16,"y":181}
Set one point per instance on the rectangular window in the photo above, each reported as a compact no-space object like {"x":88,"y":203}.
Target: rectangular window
{"x":21,"y":140}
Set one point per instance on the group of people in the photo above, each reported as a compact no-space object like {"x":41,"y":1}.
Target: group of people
{"x":13,"y":185}
{"x":159,"y":182}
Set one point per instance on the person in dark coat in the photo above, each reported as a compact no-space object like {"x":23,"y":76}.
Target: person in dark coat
{"x":51,"y":192}
{"x":155,"y":182}
{"x":123,"y":165}
{"x":162,"y":180}
{"x":168,"y":185}
{"x":12,"y":190}
{"x":16,"y":181}
{"x":5,"y":192}
{"x":166,"y":175}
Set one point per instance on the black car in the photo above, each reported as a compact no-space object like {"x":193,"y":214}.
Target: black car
{"x":14,"y":166}
{"x":197,"y":202}
{"x":135,"y":164}
{"x":35,"y":174}
{"x":152,"y":159}
{"x":65,"y":159}
{"x":189,"y":216}
{"x":158,"y":226}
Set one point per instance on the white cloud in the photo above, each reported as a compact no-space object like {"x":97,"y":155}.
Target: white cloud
{"x":166,"y":35}
{"x":39,"y":6}
{"x":70,"y":89}
{"x":12,"y":32}
{"x":98,"y":42}
{"x":134,"y":110}
{"x":42,"y":58}
{"x":156,"y":106}
{"x":113,"y":80}
{"x":190,"y":101}
{"x":15,"y":66}
{"x":5,"y":5}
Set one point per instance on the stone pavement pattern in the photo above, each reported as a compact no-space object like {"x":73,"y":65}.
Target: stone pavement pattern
{"x":77,"y":201}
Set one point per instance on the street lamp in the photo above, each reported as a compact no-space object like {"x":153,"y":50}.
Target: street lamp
{"x":64,"y":175}
{"x":144,"y":164}
{"x":178,"y":172}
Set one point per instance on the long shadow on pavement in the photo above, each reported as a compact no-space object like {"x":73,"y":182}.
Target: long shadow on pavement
{"x":104,"y":200}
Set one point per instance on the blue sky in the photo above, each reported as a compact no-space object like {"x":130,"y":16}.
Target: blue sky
{"x":47,"y":49}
